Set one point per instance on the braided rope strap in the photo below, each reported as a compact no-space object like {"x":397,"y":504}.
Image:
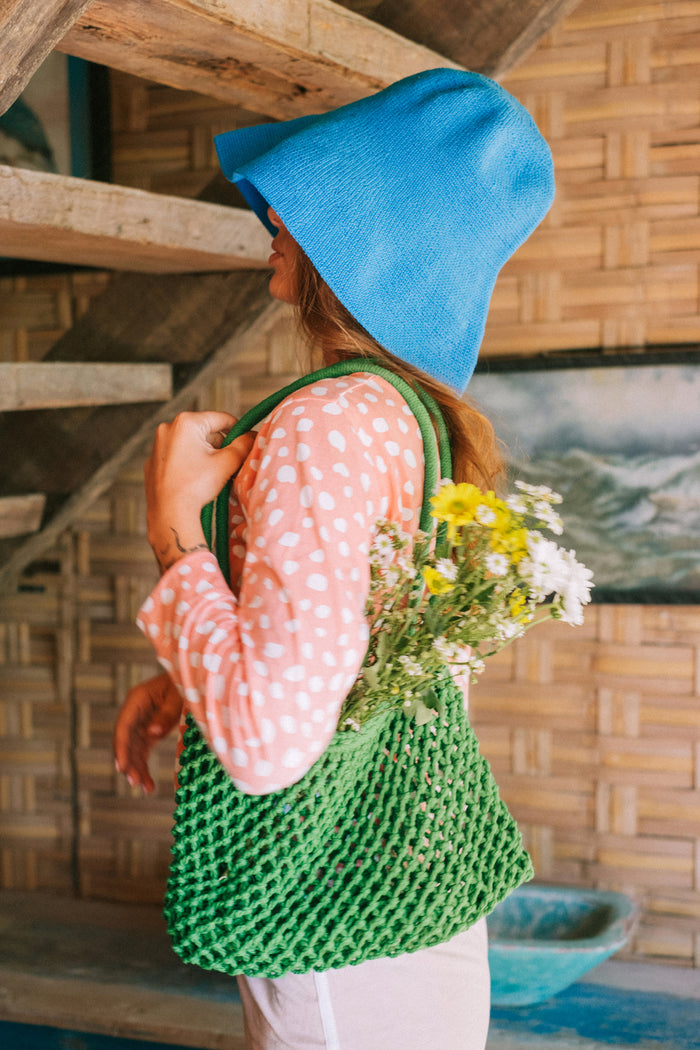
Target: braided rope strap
{"x":396,"y":839}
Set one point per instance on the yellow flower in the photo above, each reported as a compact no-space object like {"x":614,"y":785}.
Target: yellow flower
{"x":517,"y":604}
{"x":512,"y":542}
{"x":495,"y":513}
{"x":456,"y":504}
{"x":436,"y":582}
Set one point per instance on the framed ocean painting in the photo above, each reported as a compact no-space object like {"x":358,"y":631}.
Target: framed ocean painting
{"x":621,"y":443}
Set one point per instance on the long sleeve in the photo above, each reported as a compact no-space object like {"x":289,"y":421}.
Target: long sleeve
{"x":265,"y":662}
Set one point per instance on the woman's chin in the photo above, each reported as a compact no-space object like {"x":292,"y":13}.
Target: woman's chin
{"x":282,"y":290}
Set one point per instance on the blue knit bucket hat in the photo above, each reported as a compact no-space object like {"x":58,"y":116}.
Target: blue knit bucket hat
{"x":408,"y":203}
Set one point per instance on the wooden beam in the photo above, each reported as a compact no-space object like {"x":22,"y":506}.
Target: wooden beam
{"x":488,"y":36}
{"x":29,"y":30}
{"x":57,"y":218}
{"x":283,"y":59}
{"x":30,"y":385}
{"x":20,"y":515}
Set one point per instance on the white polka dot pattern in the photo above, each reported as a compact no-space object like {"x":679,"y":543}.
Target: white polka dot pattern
{"x":264,"y":665}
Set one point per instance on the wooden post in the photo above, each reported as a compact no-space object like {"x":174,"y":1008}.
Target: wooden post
{"x":29,"y":30}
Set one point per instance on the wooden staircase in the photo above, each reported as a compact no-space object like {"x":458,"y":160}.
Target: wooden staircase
{"x":190,"y":285}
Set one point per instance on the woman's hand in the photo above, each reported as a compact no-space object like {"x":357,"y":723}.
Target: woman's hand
{"x":151,"y":710}
{"x":186,"y":470}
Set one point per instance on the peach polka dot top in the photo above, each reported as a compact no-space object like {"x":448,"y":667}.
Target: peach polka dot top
{"x":265,"y":660}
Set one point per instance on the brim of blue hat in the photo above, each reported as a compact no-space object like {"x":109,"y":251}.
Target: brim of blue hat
{"x":236,"y":149}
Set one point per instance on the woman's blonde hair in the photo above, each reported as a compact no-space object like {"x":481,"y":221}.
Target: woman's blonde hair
{"x":328,"y":326}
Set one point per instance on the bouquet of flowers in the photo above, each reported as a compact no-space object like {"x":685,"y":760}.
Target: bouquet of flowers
{"x":442,"y":606}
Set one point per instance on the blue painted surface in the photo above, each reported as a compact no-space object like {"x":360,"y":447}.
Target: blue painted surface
{"x":610,"y":1016}
{"x":79,"y":117}
{"x":542,"y":938}
{"x":15,"y":1036}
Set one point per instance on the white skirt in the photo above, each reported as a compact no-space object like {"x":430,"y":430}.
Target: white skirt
{"x":435,"y":997}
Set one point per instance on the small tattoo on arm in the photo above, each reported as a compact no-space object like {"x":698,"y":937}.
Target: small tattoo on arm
{"x":165,"y":559}
{"x":187,"y":550}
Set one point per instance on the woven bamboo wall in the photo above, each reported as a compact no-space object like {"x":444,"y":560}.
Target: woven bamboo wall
{"x":594,"y":734}
{"x":36,"y":310}
{"x":37,"y":715}
{"x":614,"y":90}
{"x":594,"y":737}
{"x":36,"y":776}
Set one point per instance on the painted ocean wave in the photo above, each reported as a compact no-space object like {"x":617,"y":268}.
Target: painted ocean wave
{"x":634,"y":520}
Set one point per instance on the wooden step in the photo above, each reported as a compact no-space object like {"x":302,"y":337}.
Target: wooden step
{"x":58,"y":218}
{"x":20,"y":515}
{"x":54,"y":384}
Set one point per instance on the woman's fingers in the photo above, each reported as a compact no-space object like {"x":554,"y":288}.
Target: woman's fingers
{"x":151,"y":710}
{"x":216,"y":440}
{"x":131,"y":744}
{"x":188,"y":460}
{"x":209,"y":422}
{"x":209,"y":428}
{"x":237,"y":451}
{"x":132,"y":749}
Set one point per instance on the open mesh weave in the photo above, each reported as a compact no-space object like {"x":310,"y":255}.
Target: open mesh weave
{"x":395,"y":839}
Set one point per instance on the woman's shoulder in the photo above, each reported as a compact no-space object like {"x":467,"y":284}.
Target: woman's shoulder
{"x":346,"y":401}
{"x":329,"y":432}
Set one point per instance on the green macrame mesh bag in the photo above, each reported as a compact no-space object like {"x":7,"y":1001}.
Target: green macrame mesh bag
{"x":396,"y":839}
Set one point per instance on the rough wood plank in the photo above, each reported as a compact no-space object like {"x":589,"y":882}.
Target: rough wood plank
{"x":29,"y":30}
{"x":36,"y":384}
{"x":58,"y":218}
{"x":20,"y":515}
{"x":283,"y":59}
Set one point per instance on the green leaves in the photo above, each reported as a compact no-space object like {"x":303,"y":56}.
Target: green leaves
{"x":419,"y":711}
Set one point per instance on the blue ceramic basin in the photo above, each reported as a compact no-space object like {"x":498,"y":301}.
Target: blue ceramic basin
{"x":542,"y":938}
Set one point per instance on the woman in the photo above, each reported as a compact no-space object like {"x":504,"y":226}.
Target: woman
{"x":392,"y":217}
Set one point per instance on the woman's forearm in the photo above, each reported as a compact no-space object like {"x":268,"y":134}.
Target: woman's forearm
{"x":174,"y":532}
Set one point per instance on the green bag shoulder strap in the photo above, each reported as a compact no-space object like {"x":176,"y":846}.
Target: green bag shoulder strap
{"x":424,"y":407}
